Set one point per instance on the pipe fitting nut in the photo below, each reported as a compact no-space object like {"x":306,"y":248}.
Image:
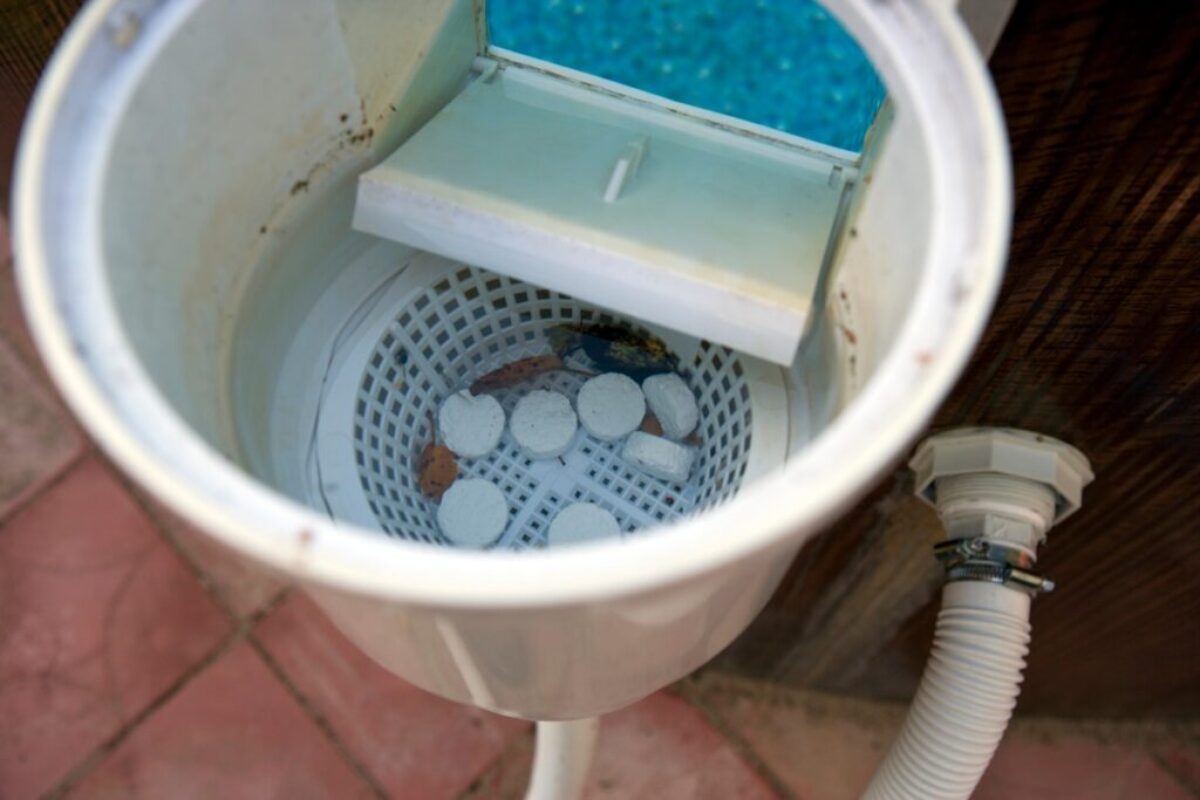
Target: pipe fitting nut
{"x":1004,"y":451}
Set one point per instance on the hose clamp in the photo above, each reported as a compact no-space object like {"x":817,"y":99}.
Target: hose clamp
{"x":978,"y":559}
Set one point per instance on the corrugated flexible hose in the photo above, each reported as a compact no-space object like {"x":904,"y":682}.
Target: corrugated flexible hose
{"x":965,"y":699}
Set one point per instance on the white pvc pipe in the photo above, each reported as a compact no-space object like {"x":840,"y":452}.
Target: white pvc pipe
{"x":562,"y":759}
{"x":966,"y":697}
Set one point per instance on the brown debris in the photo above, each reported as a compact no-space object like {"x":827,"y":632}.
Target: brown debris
{"x":521,"y":370}
{"x":651,"y":425}
{"x":437,"y":468}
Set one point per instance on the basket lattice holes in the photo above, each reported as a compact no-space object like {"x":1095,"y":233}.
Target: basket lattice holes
{"x":472,"y":322}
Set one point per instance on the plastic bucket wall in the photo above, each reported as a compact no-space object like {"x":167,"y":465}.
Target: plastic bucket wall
{"x":186,"y":159}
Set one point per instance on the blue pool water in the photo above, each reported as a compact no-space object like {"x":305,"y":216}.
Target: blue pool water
{"x":786,"y":64}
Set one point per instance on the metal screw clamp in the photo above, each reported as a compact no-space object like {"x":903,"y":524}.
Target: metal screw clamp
{"x":978,"y":559}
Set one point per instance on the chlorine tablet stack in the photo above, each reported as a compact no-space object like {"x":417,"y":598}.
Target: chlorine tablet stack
{"x":581,"y":522}
{"x":543,"y":424}
{"x":471,"y":426}
{"x":658,"y":457}
{"x":672,"y":403}
{"x":611,"y":406}
{"x":473,"y":513}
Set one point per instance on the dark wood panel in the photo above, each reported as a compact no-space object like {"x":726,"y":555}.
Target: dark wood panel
{"x":1096,"y":340}
{"x":29,"y":30}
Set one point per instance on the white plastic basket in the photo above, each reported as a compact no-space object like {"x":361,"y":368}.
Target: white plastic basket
{"x":438,"y":327}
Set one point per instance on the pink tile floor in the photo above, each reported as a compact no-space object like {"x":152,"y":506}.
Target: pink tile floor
{"x":140,"y":660}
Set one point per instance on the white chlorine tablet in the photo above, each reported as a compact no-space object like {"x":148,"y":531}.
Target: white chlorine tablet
{"x":611,"y":405}
{"x":473,"y":513}
{"x":543,"y":424}
{"x":658,"y":457}
{"x":672,"y":404}
{"x":581,"y":522}
{"x":471,"y":426}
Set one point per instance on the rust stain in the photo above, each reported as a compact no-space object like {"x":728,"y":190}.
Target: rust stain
{"x":363,"y":136}
{"x":851,"y":337}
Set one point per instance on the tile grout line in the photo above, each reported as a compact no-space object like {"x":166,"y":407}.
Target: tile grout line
{"x":744,"y":750}
{"x":39,"y":372}
{"x":245,"y":627}
{"x":138,"y":496}
{"x":37,"y":367}
{"x":106,"y":748}
{"x":316,"y":716}
{"x":240,"y":626}
{"x":40,"y":375}
{"x":239,"y":633}
{"x":1176,"y":775}
{"x":56,"y":476}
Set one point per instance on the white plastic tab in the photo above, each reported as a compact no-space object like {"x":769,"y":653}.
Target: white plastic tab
{"x":625,"y":169}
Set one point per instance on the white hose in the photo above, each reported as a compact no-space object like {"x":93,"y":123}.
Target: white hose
{"x":966,"y":697}
{"x":562,"y":759}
